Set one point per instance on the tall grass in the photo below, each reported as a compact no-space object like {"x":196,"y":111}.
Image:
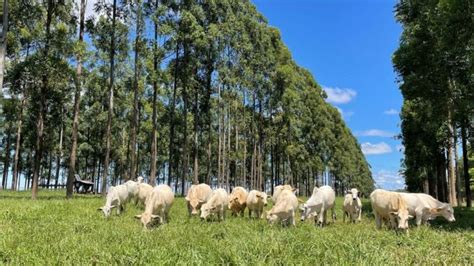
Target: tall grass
{"x":53,"y":230}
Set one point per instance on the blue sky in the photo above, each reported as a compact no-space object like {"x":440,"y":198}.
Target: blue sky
{"x":348,"y":45}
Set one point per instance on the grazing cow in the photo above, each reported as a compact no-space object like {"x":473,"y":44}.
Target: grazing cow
{"x":217,"y":204}
{"x":352,"y":206}
{"x":197,"y":195}
{"x":424,"y":207}
{"x":256,"y":200}
{"x":390,"y":206}
{"x":321,"y":201}
{"x":238,"y":201}
{"x":142,"y":192}
{"x":157,"y":206}
{"x":284,"y":209}
{"x":278,"y":189}
{"x":117,"y":197}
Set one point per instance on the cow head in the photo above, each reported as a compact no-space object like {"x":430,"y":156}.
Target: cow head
{"x":195,"y":205}
{"x":147,"y":219}
{"x":106,"y":210}
{"x":271,"y":217}
{"x":207,"y":210}
{"x":401,"y":216}
{"x":233,"y":201}
{"x":354,"y":192}
{"x":306,"y":212}
{"x":445,"y":210}
{"x":262,"y":196}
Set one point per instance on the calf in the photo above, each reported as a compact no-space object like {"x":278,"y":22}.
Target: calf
{"x":390,"y":206}
{"x":352,"y":206}
{"x":424,"y":207}
{"x":256,"y":200}
{"x":197,"y":195}
{"x":157,"y":206}
{"x":217,"y":204}
{"x":238,"y":201}
{"x":117,"y":197}
{"x":321,"y":201}
{"x":284,"y":209}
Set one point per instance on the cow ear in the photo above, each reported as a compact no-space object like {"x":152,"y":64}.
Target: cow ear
{"x":410,"y":216}
{"x":153,"y":216}
{"x":186,"y":198}
{"x":393,"y":213}
{"x":113,"y":206}
{"x":139,"y":216}
{"x":435,"y":210}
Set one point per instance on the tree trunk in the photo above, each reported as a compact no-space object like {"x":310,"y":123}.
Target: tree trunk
{"x":6,"y":162}
{"x":3,"y":40}
{"x":451,"y":162}
{"x":172,"y":126}
{"x":18,"y":145}
{"x":77,"y":104}
{"x":50,"y":168}
{"x":111,"y":102}
{"x":152,"y":180}
{"x":465,"y":159}
{"x":133,"y":145}
{"x":196,"y":139}
{"x":60,"y":153}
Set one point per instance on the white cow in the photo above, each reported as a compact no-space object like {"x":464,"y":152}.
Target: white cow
{"x":256,"y":200}
{"x":284,"y":209}
{"x":197,"y":195}
{"x":321,"y":201}
{"x":117,"y":197}
{"x":352,"y":206}
{"x":142,"y":192}
{"x":278,"y":189}
{"x":238,"y":201}
{"x":424,"y":207}
{"x":217,"y":204}
{"x":388,"y":205}
{"x":157,"y":205}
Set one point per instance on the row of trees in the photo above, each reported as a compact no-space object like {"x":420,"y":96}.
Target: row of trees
{"x":177,"y":91}
{"x":435,"y":62}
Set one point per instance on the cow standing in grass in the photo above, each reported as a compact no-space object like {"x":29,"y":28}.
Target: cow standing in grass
{"x":352,"y":206}
{"x":117,"y":197}
{"x":322,"y":200}
{"x":424,"y":207}
{"x":217,"y":204}
{"x":285,"y":208}
{"x":238,"y":201}
{"x":197,"y":195}
{"x":157,"y":206}
{"x":390,"y":206}
{"x":256,"y":200}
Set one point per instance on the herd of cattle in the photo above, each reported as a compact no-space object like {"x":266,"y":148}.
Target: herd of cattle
{"x":391,"y":208}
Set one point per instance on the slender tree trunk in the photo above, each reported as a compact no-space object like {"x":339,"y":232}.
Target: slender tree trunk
{"x":458,"y":175}
{"x":172,"y":122}
{"x":152,"y":180}
{"x":465,"y":159}
{"x":6,"y":162}
{"x":77,"y":104}
{"x":50,"y":168}
{"x":196,"y":139}
{"x":111,"y":102}
{"x":3,"y":40}
{"x":18,"y":145}
{"x":60,"y":152}
{"x":451,"y":162}
{"x":42,"y":107}
{"x":133,"y":169}
{"x":185,"y":159}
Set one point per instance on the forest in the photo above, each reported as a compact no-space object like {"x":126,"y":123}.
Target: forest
{"x":436,"y":77}
{"x":178,"y":92}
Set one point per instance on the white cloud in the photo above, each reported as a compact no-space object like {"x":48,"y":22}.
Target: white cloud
{"x":391,"y":112}
{"x":374,"y":149}
{"x":390,"y":180}
{"x":339,"y":96}
{"x":375,"y":133}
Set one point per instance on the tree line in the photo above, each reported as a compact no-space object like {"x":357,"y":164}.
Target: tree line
{"x":176,"y":91}
{"x":435,"y":67}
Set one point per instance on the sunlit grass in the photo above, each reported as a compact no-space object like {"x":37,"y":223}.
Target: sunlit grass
{"x":53,"y":230}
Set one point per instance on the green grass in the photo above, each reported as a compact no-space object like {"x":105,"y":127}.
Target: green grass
{"x":53,"y":230}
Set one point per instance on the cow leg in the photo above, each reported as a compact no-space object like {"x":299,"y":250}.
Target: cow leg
{"x":378,"y":222}
{"x":333,"y":212}
{"x":360,"y":215}
{"x":189,"y":209}
{"x":250,"y":213}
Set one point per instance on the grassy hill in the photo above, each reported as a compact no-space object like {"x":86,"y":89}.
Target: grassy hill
{"x":53,"y":230}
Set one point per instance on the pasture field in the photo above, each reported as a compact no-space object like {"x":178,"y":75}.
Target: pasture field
{"x":53,"y":230}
